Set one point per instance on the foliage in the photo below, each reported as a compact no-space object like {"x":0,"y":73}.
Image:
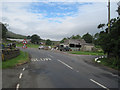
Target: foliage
{"x":35,"y":39}
{"x":111,"y":62}
{"x":101,"y":26}
{"x":28,"y":37}
{"x":75,"y":37}
{"x":48,"y":42}
{"x":110,"y":42}
{"x":4,"y":30}
{"x":88,"y":38}
{"x":22,"y":58}
{"x":62,"y":41}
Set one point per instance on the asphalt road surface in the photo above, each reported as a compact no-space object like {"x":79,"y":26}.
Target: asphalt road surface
{"x":52,"y":69}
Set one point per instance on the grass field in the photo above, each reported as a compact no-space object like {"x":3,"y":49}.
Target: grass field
{"x":29,"y":45}
{"x":86,"y":53}
{"x":22,"y":58}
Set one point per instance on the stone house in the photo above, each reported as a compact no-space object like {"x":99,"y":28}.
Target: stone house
{"x":78,"y":45}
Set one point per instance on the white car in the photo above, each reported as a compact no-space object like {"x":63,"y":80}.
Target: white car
{"x":41,"y":47}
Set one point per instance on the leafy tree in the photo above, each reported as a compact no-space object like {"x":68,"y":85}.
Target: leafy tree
{"x":48,"y":42}
{"x":35,"y":39}
{"x":4,"y":30}
{"x":88,"y":38}
{"x":75,"y":37}
{"x":62,"y":41}
{"x":101,"y":26}
{"x":95,"y":39}
{"x":28,"y":37}
{"x":110,"y":42}
{"x":118,"y":8}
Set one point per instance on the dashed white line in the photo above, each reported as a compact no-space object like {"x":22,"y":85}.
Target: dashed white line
{"x":99,"y":84}
{"x":65,"y":64}
{"x":23,"y":69}
{"x":17,"y":87}
{"x":20,"y":76}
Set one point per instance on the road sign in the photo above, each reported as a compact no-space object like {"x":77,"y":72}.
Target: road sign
{"x":24,"y":41}
{"x":24,"y":46}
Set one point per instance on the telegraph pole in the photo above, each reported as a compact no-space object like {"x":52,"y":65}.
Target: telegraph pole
{"x":108,"y":16}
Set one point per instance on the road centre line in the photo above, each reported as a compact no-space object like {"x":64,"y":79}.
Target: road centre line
{"x":17,"y":87}
{"x":20,"y":76}
{"x":23,"y":69}
{"x":99,"y":84}
{"x":65,"y":64}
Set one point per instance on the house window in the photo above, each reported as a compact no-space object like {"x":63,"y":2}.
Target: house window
{"x":78,"y":46}
{"x":72,"y":45}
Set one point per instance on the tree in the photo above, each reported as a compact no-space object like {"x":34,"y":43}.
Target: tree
{"x":101,"y":26}
{"x":28,"y":37}
{"x":62,"y":41}
{"x":4,"y":30}
{"x":95,"y":39}
{"x":48,"y":42}
{"x":118,"y":8}
{"x":88,"y":38}
{"x":75,"y":37}
{"x":110,"y":42}
{"x":35,"y":39}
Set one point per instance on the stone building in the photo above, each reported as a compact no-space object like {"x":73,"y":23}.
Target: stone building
{"x":78,"y":45}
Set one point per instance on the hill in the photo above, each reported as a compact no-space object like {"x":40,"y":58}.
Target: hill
{"x":10,"y":34}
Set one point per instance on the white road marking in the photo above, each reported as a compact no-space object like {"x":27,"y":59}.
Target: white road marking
{"x":49,"y":58}
{"x":77,"y":71}
{"x":17,"y":87}
{"x":66,"y":64}
{"x":41,"y":59}
{"x":20,"y":76}
{"x":23,"y":69}
{"x":99,"y":84}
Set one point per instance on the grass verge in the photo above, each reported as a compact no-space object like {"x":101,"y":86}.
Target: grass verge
{"x":86,"y":53}
{"x":22,"y":58}
{"x":110,"y":62}
{"x":29,"y":45}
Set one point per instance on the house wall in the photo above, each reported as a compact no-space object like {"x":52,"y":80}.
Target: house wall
{"x":88,"y":48}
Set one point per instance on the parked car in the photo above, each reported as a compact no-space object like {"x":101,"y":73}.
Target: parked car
{"x":41,"y":47}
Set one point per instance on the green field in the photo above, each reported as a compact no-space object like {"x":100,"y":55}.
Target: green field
{"x":29,"y":45}
{"x":86,"y":53}
{"x":22,"y":58}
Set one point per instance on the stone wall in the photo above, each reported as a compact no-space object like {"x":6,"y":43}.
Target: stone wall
{"x":9,"y":54}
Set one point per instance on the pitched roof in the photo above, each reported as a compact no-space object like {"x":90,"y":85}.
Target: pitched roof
{"x":75,"y":41}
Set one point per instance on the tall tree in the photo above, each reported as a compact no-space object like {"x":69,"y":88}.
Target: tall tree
{"x":48,"y":42}
{"x":87,"y":37}
{"x":35,"y":39}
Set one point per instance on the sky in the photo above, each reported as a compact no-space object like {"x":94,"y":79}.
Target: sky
{"x":55,"y":20}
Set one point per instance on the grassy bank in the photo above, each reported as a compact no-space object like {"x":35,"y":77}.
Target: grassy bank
{"x":86,"y":53}
{"x":22,"y":58}
{"x":111,"y":62}
{"x":29,"y":45}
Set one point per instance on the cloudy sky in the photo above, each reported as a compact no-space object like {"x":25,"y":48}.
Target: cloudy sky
{"x":55,"y":20}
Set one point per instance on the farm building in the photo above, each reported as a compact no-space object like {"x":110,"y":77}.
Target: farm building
{"x":77,"y":45}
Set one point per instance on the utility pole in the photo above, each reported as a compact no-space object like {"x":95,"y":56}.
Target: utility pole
{"x":108,"y":16}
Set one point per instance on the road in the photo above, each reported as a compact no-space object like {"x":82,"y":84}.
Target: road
{"x":52,"y":69}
